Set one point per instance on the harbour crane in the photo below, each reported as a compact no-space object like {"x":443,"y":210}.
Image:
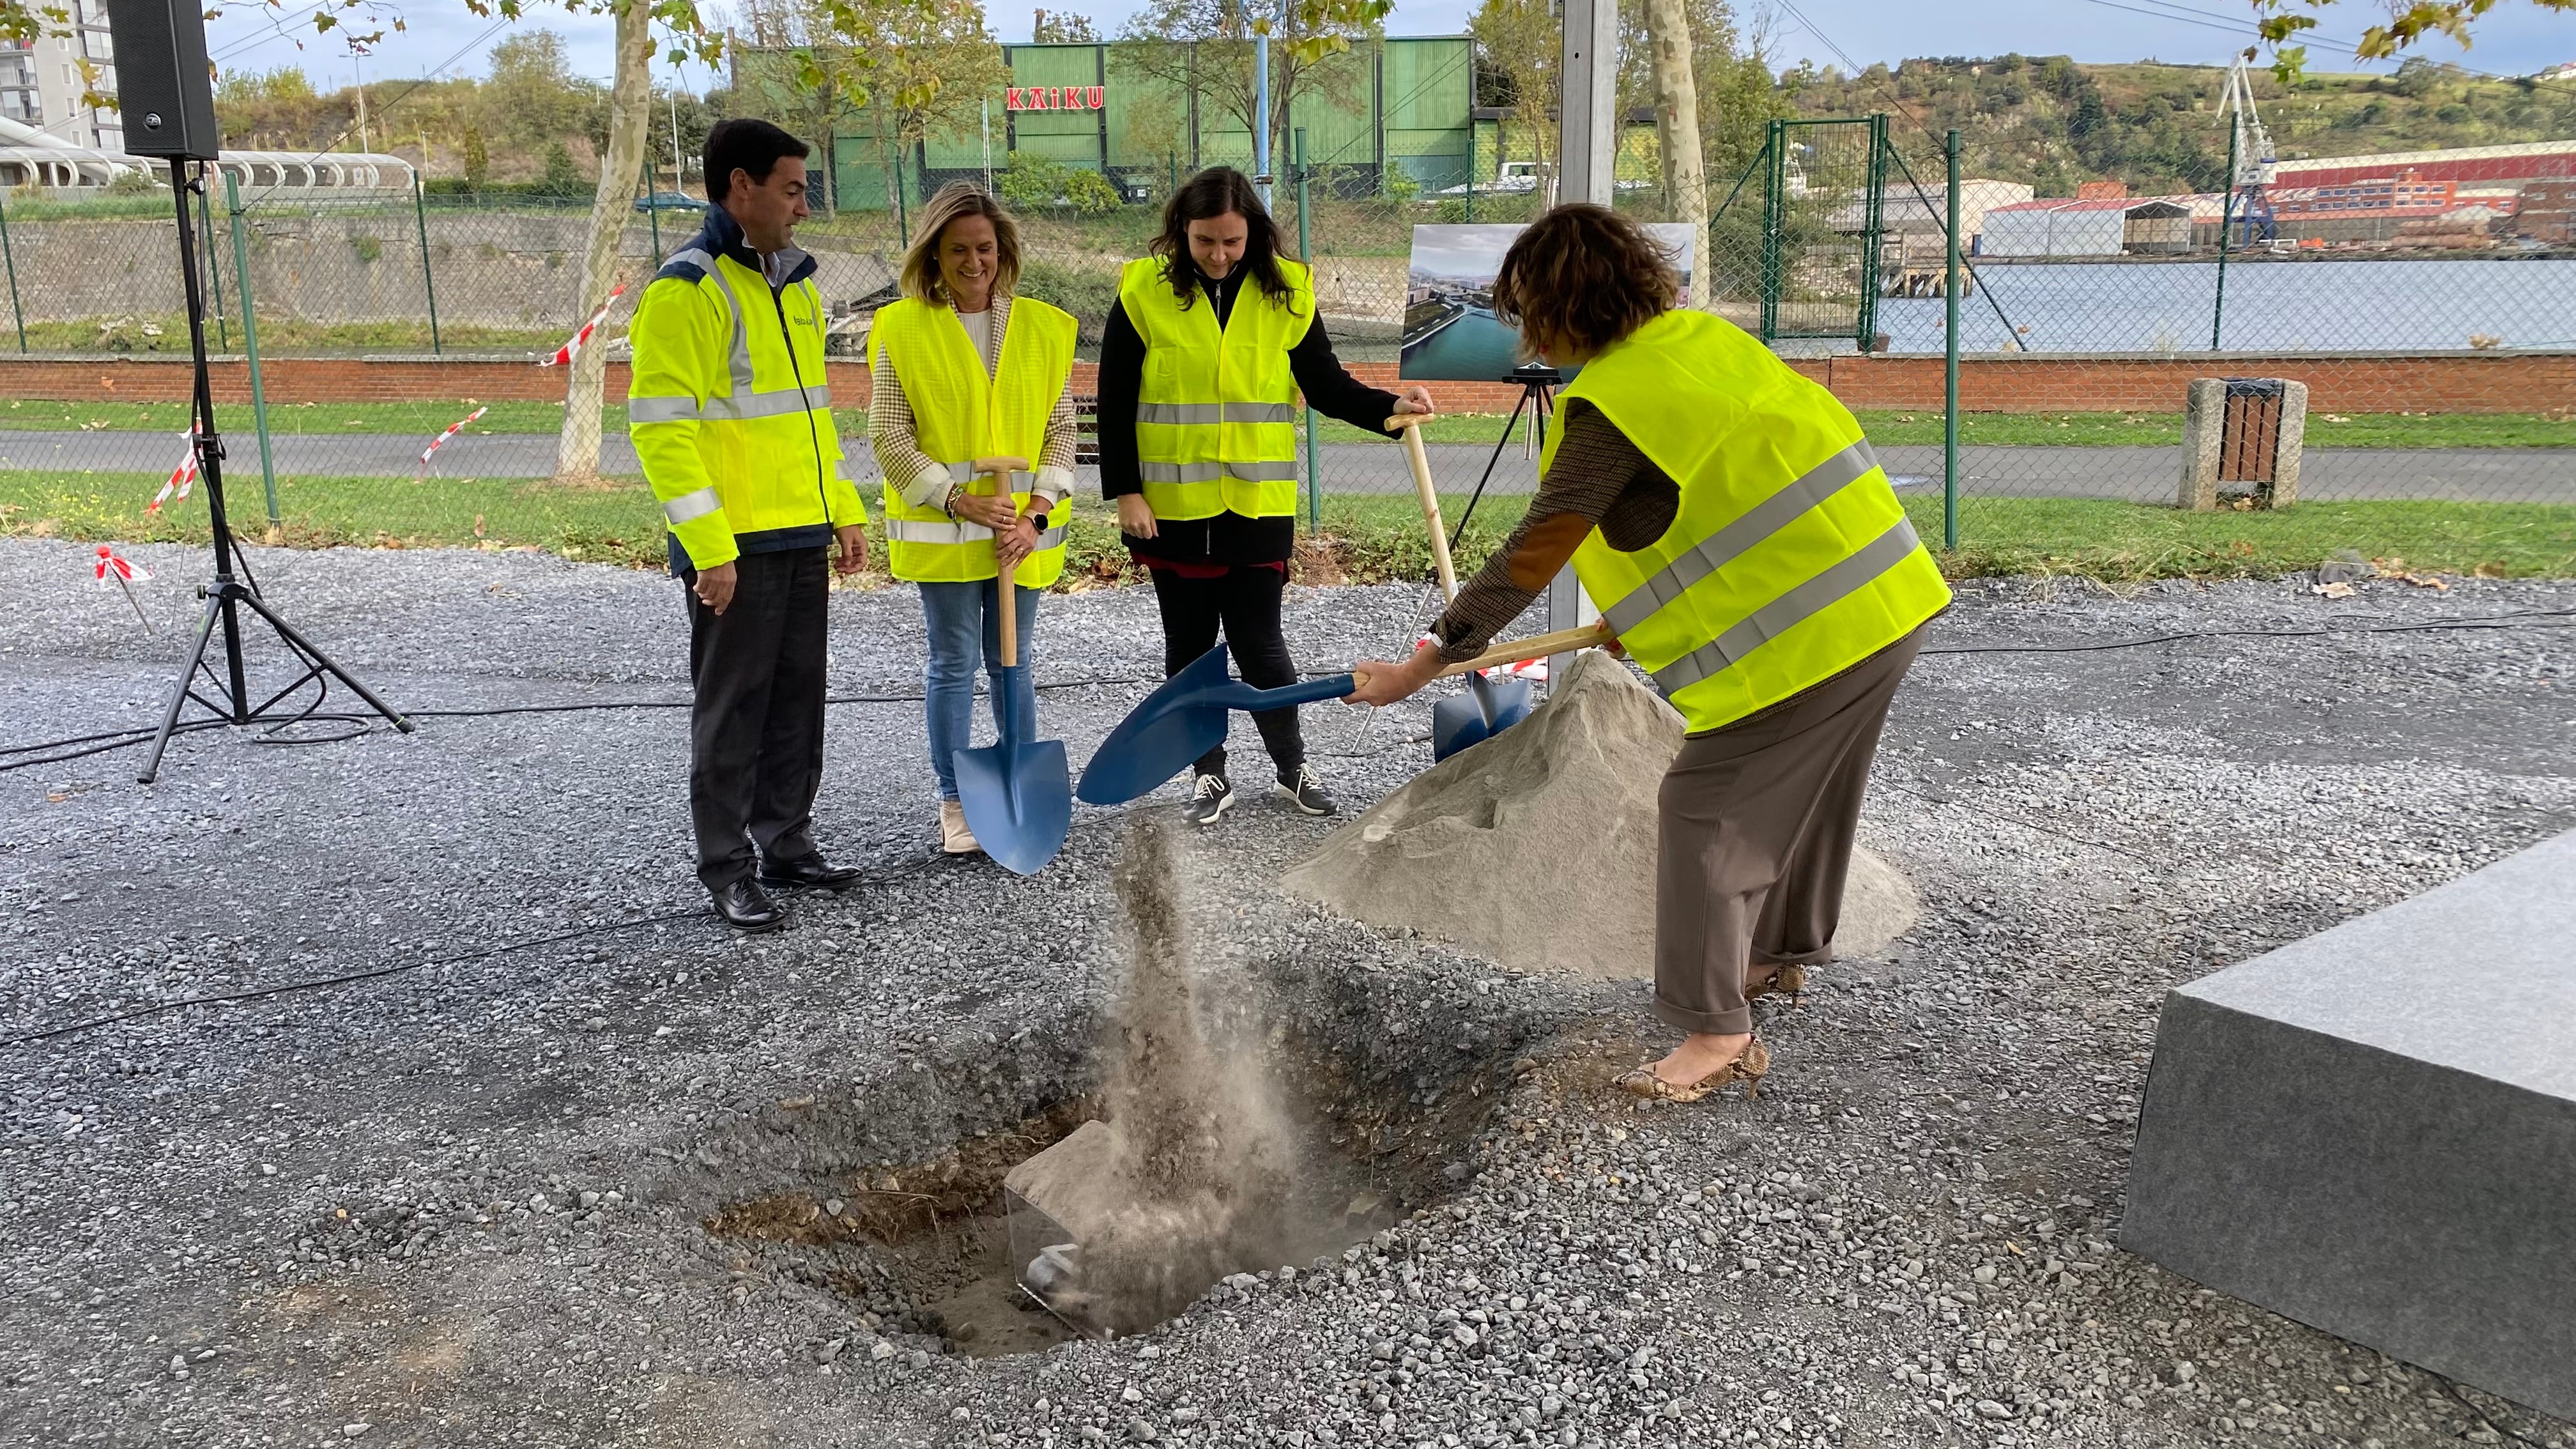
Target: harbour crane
{"x":2250,"y":148}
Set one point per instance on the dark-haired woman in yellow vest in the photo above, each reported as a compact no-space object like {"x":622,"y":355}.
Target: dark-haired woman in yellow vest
{"x":1733,"y":524}
{"x":963,"y":370}
{"x":1213,"y":337}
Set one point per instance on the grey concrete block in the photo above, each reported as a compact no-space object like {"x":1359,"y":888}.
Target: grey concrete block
{"x":2204,"y":418}
{"x":2292,"y":445}
{"x":2373,"y":1131}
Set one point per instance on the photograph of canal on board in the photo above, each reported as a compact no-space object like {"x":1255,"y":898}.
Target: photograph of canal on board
{"x":1450,"y":331}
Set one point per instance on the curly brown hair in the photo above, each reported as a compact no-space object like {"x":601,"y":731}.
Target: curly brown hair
{"x":1582,"y":277}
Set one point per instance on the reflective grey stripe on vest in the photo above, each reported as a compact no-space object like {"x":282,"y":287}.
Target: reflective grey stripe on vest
{"x":1790,"y":609}
{"x":1233,"y":412}
{"x":779,"y":402}
{"x":1731,"y":542}
{"x":906,"y":530}
{"x":1282,"y":471}
{"x":692,"y":505}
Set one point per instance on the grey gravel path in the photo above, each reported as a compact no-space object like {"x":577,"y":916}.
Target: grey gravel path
{"x":2138,"y":474}
{"x":463,"y":1204}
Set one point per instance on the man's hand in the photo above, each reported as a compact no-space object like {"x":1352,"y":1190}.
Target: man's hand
{"x":1384,"y":683}
{"x":715,"y":587}
{"x":993,"y":510}
{"x":1416,"y":399}
{"x":854,"y":548}
{"x":1135,"y":516}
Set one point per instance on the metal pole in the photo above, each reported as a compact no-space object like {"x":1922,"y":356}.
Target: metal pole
{"x":250,"y":342}
{"x":1261,"y":114}
{"x":10,"y":255}
{"x":1314,"y":484}
{"x":214,"y":278}
{"x":1587,"y":132}
{"x":653,"y":216}
{"x":988,"y":145}
{"x":2226,"y":223}
{"x":1950,"y":359}
{"x":428,"y":273}
{"x":1471,"y":170}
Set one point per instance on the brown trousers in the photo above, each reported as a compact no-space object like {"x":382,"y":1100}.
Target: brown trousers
{"x":1758,"y":820}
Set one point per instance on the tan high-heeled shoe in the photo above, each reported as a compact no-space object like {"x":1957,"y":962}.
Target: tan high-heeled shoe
{"x":1748,"y":1066}
{"x":1789,"y":978}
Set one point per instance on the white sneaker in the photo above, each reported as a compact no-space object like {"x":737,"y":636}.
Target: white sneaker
{"x":1210,"y":798}
{"x":954,"y":837}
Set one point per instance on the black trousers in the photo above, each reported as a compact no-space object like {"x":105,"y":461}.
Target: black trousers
{"x":756,"y":730}
{"x":1243,"y":602}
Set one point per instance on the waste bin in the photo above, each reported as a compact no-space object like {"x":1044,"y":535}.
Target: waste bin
{"x":2242,"y":438}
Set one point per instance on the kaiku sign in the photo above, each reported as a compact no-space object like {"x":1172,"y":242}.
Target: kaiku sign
{"x":1053,"y":98}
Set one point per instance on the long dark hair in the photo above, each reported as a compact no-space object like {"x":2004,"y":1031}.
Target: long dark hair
{"x":1210,"y":194}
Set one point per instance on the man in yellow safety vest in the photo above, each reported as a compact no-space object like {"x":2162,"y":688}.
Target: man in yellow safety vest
{"x":732,"y":418}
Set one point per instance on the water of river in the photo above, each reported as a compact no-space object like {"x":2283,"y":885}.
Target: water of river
{"x":2303,"y":306}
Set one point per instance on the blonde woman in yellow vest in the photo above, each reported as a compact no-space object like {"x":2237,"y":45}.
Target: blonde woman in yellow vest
{"x":964,"y":370}
{"x":1213,"y":338}
{"x":1729,"y":518}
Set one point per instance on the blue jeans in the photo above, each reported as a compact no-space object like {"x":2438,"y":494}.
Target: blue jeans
{"x":966,"y":630}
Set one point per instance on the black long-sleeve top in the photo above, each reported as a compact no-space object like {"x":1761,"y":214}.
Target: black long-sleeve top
{"x":1228,"y":538}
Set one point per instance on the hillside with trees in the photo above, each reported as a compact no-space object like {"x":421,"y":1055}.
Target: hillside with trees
{"x":2053,"y":122}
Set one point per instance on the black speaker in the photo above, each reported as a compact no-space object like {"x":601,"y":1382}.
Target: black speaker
{"x":164,"y":87}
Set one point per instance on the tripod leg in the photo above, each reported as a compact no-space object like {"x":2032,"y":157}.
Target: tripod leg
{"x":179,"y":690}
{"x":313,"y":651}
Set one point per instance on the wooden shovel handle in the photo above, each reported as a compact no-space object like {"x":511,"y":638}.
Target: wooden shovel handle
{"x":1002,"y":468}
{"x":1421,"y":461}
{"x":1522,"y":650}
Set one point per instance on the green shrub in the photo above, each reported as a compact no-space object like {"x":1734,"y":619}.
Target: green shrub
{"x":1091,"y":193}
{"x":1031,"y":183}
{"x":1087,"y":294}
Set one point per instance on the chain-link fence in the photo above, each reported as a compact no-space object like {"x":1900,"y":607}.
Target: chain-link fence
{"x":2040,"y":418}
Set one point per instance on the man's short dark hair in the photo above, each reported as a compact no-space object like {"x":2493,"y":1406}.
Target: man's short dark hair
{"x":751,"y":147}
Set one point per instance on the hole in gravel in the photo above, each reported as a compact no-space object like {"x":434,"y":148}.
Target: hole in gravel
{"x":1236,"y":1122}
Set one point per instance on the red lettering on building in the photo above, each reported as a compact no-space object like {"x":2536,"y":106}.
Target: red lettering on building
{"x":1055,"y":98}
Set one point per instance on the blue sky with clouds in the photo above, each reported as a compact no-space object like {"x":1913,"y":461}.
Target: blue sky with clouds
{"x":2516,"y":38}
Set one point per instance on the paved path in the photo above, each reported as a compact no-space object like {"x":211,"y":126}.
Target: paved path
{"x":2146,"y":475}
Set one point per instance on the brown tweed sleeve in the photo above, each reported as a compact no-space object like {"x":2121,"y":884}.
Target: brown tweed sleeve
{"x":1597,"y":476}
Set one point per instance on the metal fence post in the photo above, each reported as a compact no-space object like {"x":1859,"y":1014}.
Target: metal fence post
{"x":1775,"y":154}
{"x":428,"y":273}
{"x":10,"y":255}
{"x":250,"y":343}
{"x":653,"y":214}
{"x":1314,"y":497}
{"x":214,"y":276}
{"x":2226,"y":224}
{"x":1950,"y":357}
{"x":1873,"y":235}
{"x":1471,"y":170}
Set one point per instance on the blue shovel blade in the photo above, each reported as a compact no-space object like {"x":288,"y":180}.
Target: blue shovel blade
{"x":1181,"y":721}
{"x":1018,"y":801}
{"x":1485,"y":710}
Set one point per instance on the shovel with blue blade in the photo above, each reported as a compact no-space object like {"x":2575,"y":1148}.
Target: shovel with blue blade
{"x":1487,"y":707}
{"x":1187,"y":716}
{"x":1016,"y":792}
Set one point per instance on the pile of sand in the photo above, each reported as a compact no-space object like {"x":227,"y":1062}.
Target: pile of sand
{"x":1536,"y":849}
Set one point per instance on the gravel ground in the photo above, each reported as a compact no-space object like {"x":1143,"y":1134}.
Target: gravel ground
{"x":464,"y":1203}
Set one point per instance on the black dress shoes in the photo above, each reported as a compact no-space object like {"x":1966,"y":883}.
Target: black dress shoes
{"x":746,"y":907}
{"x":808,"y":872}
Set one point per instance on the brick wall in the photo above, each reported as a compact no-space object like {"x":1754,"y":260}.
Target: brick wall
{"x":2469,"y":382}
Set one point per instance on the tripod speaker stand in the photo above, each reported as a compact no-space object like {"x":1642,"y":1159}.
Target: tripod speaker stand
{"x":227,"y":595}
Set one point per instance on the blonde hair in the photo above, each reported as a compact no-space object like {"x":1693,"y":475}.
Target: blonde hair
{"x":957,"y":199}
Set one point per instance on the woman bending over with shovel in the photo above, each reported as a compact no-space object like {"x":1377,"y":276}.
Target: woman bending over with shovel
{"x":1211,"y":340}
{"x":964,"y":371}
{"x":1728,"y":516}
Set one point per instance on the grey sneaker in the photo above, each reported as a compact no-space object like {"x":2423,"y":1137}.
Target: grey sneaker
{"x":1307,"y":792}
{"x":1210,"y":798}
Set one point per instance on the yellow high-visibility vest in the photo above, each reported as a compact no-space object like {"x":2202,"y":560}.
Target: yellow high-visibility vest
{"x":729,"y":408}
{"x":960,"y":413}
{"x":1789,"y":559}
{"x":1216,"y":415}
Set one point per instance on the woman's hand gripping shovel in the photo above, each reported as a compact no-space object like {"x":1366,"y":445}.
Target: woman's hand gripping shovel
{"x":1016,"y":792}
{"x":1187,"y":716}
{"x":1487,"y":707}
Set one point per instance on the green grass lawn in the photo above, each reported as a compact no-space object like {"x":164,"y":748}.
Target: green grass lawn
{"x":1365,"y":539}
